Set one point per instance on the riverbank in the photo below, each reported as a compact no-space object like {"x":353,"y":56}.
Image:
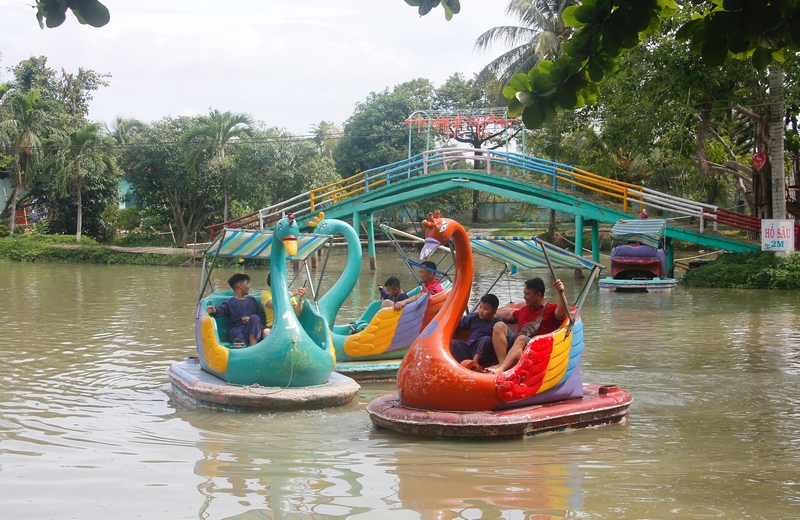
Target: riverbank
{"x":60,"y":248}
{"x":758,"y":270}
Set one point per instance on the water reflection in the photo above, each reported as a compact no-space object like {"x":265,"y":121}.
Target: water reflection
{"x":298,"y":476}
{"x":87,"y":432}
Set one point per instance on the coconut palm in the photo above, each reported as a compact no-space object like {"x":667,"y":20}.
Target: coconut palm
{"x":123,"y":128}
{"x":538,"y":37}
{"x":24,"y":122}
{"x":214,"y":132}
{"x":79,"y":154}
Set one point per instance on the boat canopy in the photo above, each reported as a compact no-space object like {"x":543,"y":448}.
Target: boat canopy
{"x":257,"y":244}
{"x":648,"y":231}
{"x":523,"y":253}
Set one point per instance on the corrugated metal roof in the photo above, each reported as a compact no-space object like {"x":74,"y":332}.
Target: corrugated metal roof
{"x":523,"y":253}
{"x":648,"y":231}
{"x":257,"y":244}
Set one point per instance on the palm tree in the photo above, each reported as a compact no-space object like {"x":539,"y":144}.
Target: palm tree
{"x":214,"y":132}
{"x":538,"y":38}
{"x":77,"y":157}
{"x":123,"y":128}
{"x":25,"y":121}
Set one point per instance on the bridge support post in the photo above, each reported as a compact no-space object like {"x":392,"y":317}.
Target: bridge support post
{"x":595,"y":241}
{"x":579,"y":241}
{"x":373,"y":261}
{"x":670,"y":258}
{"x":579,"y":235}
{"x":314,"y":260}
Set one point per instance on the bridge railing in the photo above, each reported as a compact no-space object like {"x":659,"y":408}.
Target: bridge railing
{"x":504,"y":163}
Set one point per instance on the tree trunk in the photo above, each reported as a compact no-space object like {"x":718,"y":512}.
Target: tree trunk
{"x":80,"y":215}
{"x":225,"y":194}
{"x":551,"y":228}
{"x":13,"y":208}
{"x":776,"y":131}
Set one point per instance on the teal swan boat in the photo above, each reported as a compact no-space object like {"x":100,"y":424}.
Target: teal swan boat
{"x":292,"y":367}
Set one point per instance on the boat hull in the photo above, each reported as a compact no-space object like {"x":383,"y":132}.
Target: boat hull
{"x":378,"y":371}
{"x":654,"y":285}
{"x":601,"y":404}
{"x":194,"y":387}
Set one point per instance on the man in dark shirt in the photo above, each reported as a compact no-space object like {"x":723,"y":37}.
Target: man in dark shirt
{"x":245,"y":317}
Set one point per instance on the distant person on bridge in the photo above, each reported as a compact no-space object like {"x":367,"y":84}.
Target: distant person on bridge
{"x":535,"y":318}
{"x":430,"y":284}
{"x":643,"y":215}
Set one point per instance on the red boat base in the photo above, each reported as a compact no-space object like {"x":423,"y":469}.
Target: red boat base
{"x":601,"y":404}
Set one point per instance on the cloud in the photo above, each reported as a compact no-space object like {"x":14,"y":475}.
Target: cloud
{"x":288,"y":63}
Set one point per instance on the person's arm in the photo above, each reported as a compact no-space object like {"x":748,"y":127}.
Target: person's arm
{"x":398,"y":306}
{"x":298,"y":295}
{"x":384,"y":293}
{"x":464,"y":323}
{"x":561,"y":310}
{"x":506,"y":315}
{"x":220,"y":310}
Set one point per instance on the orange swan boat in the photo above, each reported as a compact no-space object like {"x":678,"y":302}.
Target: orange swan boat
{"x":544,"y":391}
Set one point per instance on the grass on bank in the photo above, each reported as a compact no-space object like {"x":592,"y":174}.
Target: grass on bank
{"x":757,"y":270}
{"x":40,"y":248}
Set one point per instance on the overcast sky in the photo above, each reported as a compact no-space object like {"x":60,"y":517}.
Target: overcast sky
{"x":289,"y":63}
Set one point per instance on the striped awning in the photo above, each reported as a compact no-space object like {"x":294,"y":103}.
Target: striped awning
{"x":523,"y":253}
{"x":257,"y":244}
{"x":648,"y":231}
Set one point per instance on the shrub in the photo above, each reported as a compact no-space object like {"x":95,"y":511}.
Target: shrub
{"x":757,"y":270}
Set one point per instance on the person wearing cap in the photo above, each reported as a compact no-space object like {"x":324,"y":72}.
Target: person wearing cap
{"x":245,"y":317}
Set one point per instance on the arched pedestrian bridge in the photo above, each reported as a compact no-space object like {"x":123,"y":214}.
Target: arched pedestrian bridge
{"x":591,"y":198}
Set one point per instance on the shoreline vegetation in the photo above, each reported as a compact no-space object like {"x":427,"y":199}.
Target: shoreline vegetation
{"x":757,"y":270}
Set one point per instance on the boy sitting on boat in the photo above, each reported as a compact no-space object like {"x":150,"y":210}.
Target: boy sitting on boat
{"x":391,"y":292}
{"x":243,"y":312}
{"x":535,"y":318}
{"x":478,"y":346}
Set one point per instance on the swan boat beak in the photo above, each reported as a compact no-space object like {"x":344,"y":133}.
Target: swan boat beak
{"x":290,"y":243}
{"x":428,"y":248}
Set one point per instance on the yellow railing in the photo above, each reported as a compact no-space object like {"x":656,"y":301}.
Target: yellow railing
{"x":603,"y":185}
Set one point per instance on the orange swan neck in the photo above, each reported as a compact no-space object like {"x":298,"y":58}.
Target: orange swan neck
{"x":429,"y":378}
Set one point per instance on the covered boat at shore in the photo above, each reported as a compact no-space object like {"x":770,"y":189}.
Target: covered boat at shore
{"x":638,"y":263}
{"x":542,"y":392}
{"x":292,"y":367}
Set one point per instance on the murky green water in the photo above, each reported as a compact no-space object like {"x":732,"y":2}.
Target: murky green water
{"x":87,"y":431}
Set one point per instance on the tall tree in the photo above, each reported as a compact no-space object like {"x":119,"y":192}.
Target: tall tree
{"x":214,"y":132}
{"x":78,"y":155}
{"x":276,"y":165}
{"x":538,"y":37}
{"x":122,"y":129}
{"x":375,"y":135}
{"x":25,"y":121}
{"x":155,"y":166}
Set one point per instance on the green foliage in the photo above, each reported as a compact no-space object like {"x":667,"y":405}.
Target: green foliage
{"x":375,"y":135}
{"x":761,"y":31}
{"x":451,"y":7}
{"x":4,"y":232}
{"x":40,"y":248}
{"x":758,"y":270}
{"x":52,"y":13}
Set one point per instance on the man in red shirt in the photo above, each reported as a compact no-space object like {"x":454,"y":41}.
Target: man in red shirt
{"x":430,"y":284}
{"x":542,"y":318}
